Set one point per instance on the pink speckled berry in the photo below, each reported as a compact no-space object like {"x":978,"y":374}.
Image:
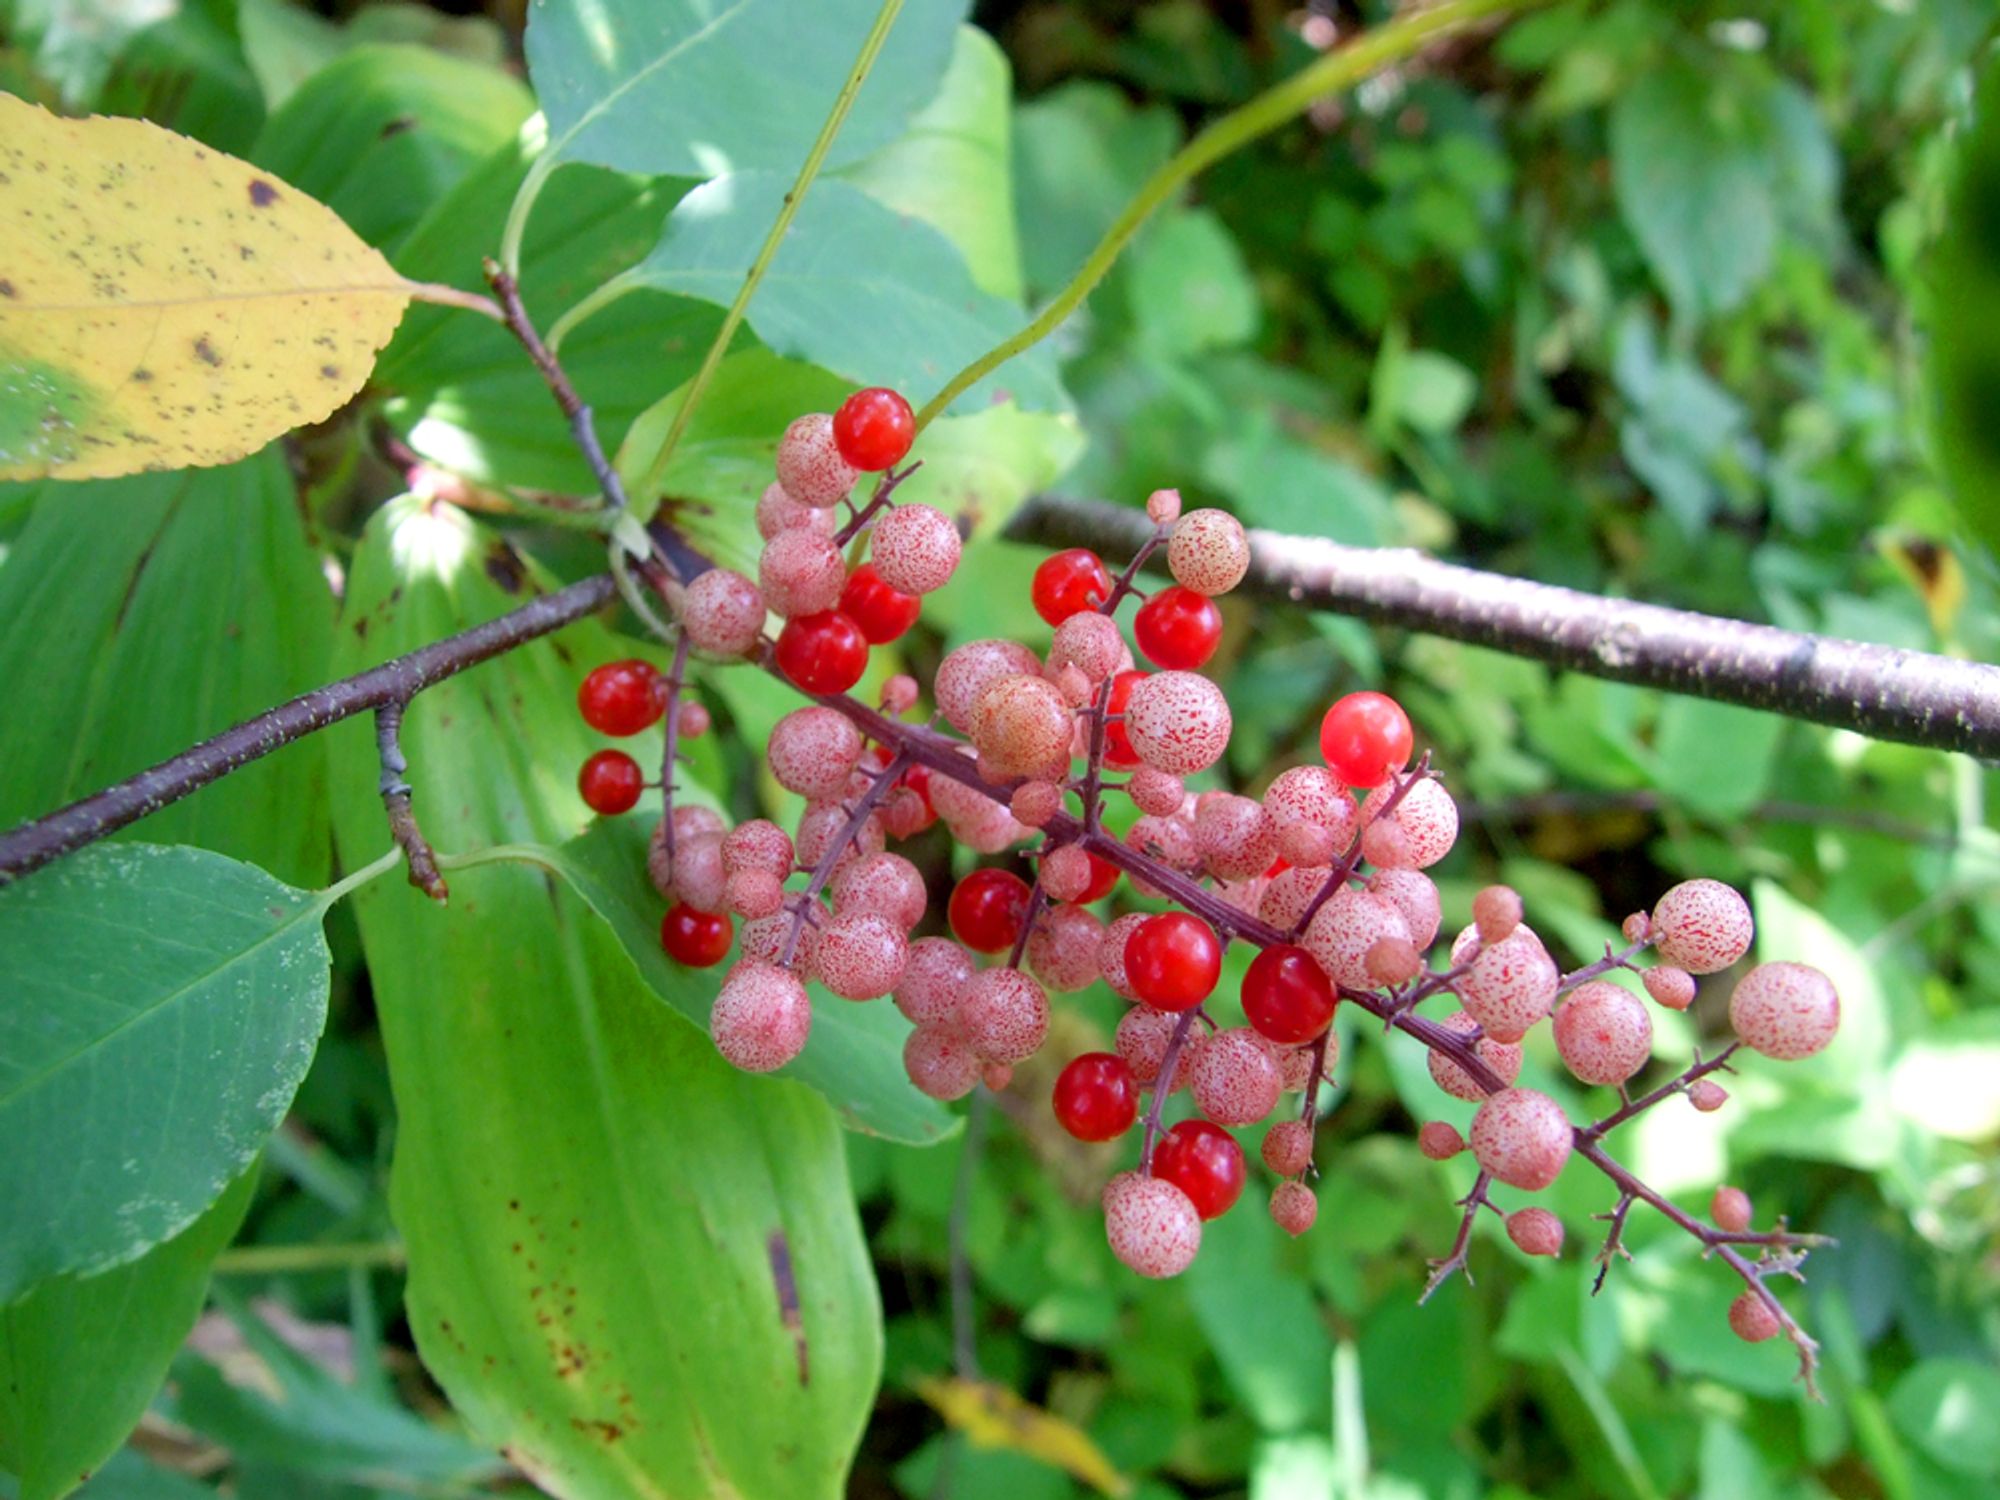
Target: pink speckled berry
{"x":1288,"y":1147}
{"x":1295,"y":1064}
{"x":1426,"y":815}
{"x":1393,"y":960}
{"x":1785,"y":1011}
{"x":1163,"y":507}
{"x":1730,"y":1208}
{"x":822,"y":823}
{"x":1035,"y":802}
{"x":1288,"y":895}
{"x":800,"y":573}
{"x":777,"y":511}
{"x":1313,"y":795}
{"x":1415,"y":895}
{"x":915,"y":548}
{"x":753,"y":893}
{"x":1066,"y":876}
{"x":1005,"y":1015}
{"x":761,"y":1017}
{"x":1208,"y":552}
{"x":1234,"y":836}
{"x":1090,"y":642}
{"x":1750,"y":1320}
{"x":1294,"y":1207}
{"x":1142,"y":1039}
{"x":1510,"y":986}
{"x":1306,"y":845}
{"x":758,"y":844}
{"x":1158,"y":793}
{"x":1234,"y":1077}
{"x":1386,"y":846}
{"x":1021,"y":727}
{"x":1603,"y":1032}
{"x":1151,"y":1225}
{"x":886,"y":884}
{"x":1496,"y":912}
{"x":1177,"y":722}
{"x":860,"y":955}
{"x":967,"y":672}
{"x":813,"y":751}
{"x":809,"y":463}
{"x":899,"y":694}
{"x":1702,"y":926}
{"x":1669,"y":986}
{"x":1504,"y":1058}
{"x":1167,"y":839}
{"x":1706,"y":1095}
{"x":763,"y":940}
{"x":1536,"y":1231}
{"x":936,"y":974}
{"x":1521,"y":1137}
{"x":699,"y":879}
{"x":1636,"y":927}
{"x":1343,"y":930}
{"x":1111,"y":952}
{"x":690,"y":820}
{"x":940,"y":1063}
{"x":723,"y":613}
{"x":1062,"y":950}
{"x":1439,"y":1139}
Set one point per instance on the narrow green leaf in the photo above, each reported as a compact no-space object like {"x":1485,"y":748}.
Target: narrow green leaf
{"x":1950,"y":1408}
{"x":163,"y":1005}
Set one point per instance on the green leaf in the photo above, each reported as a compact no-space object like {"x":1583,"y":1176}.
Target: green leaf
{"x":140,"y":615}
{"x":602,"y":1217}
{"x":1950,"y":1408}
{"x":80,"y":1358}
{"x":1188,"y":287}
{"x":1262,"y":1323}
{"x":163,"y":1004}
{"x":1082,"y":152}
{"x":383,"y":132}
{"x":855,"y":288}
{"x":698,"y":88}
{"x":1715,"y":757}
{"x":855,"y":1056}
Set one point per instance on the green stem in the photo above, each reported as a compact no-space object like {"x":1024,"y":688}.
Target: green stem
{"x":517,"y":214}
{"x":526,"y":854}
{"x":274,"y":1260}
{"x":1336,"y":70}
{"x":351,"y":883}
{"x":606,"y":293}
{"x":870,"y":48}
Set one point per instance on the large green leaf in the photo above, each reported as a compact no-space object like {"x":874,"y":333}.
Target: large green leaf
{"x":699,"y":87}
{"x":1964,"y":322}
{"x":604,"y":1220}
{"x":162,"y":1006}
{"x":855,"y":288}
{"x":139,"y":615}
{"x":81,"y":1358}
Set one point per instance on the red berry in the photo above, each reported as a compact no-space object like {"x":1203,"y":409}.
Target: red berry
{"x":699,"y":939}
{"x":1096,"y":1097}
{"x":610,"y":782}
{"x":1287,"y":996}
{"x":1069,"y":583}
{"x":1178,"y":629}
{"x":874,"y":428}
{"x":987,"y":909}
{"x":1118,"y":751}
{"x":621,"y":697}
{"x":1365,"y":737}
{"x":1203,"y":1161}
{"x":1173,"y":960}
{"x":882,"y":613}
{"x":823,"y":653}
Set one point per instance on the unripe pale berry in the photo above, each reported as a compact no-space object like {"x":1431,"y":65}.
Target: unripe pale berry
{"x":1151,"y":1225}
{"x":915,"y":548}
{"x":1090,"y":642}
{"x":1067,"y":875}
{"x":1111,"y":952}
{"x":967,"y":672}
{"x":813,"y":751}
{"x":1208,"y":552}
{"x":1730,"y":1208}
{"x":1496,"y":912}
{"x":1296,"y":1065}
{"x":761,"y":1017}
{"x":1306,"y":844}
{"x":887,"y":884}
{"x":1636,"y":927}
{"x":1603,"y":1033}
{"x":1415,"y":895}
{"x":1312,"y":794}
{"x":1062,"y":950}
{"x":809,"y":463}
{"x":1521,"y":1137}
{"x":936,"y":973}
{"x":899,"y":694}
{"x":996,"y":1076}
{"x":1035,"y":802}
{"x":1158,"y":793}
{"x":1288,"y":1147}
{"x":800,"y":573}
{"x":1234,"y":836}
{"x":1669,"y":986}
{"x":777,"y":511}
{"x":753,"y":893}
{"x":1702,"y":926}
{"x":940,"y":1063}
{"x":763,"y":940}
{"x":1393,"y":961}
{"x":824,"y":822}
{"x":1005,"y":1015}
{"x":692,"y":721}
{"x":1386,"y":846}
{"x":860,"y":955}
{"x":1784,"y":1010}
{"x":1426,"y":815}
{"x":722,"y":613}
{"x":698,"y":876}
{"x":1021,"y":727}
{"x":1234,"y":1077}
{"x":1504,"y":1058}
{"x":1163,"y":507}
{"x":1288,"y":895}
{"x":1706,"y":1095}
{"x":1178,"y":722}
{"x":1750,"y":1320}
{"x":1294,"y":1207}
{"x":1167,"y":839}
{"x":1343,"y":930}
{"x":1510,"y":986}
{"x":1440,"y":1140}
{"x":1536,"y":1231}
{"x":758,"y":844}
{"x":1142,"y":1039}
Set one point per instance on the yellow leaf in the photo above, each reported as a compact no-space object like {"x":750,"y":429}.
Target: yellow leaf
{"x":165,"y":305}
{"x":1934,"y":572}
{"x":994,"y":1417}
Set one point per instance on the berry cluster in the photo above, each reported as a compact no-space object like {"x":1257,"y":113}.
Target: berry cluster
{"x":1324,"y":875}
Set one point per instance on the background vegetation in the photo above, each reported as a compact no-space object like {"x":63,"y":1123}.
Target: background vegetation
{"x":1628,"y":296}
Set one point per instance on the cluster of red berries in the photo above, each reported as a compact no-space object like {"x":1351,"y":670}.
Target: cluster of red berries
{"x":1324,"y":873}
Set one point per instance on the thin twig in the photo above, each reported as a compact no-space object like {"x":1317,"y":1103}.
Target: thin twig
{"x":1163,"y":1086}
{"x":395,"y":792}
{"x":1455,"y":1261}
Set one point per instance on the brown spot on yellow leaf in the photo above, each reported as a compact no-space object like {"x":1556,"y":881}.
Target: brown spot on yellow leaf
{"x":262,"y":194}
{"x":205,"y":351}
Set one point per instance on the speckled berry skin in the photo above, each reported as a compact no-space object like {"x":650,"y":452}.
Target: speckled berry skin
{"x":1294,"y":1207}
{"x":1234,"y":836}
{"x":778,"y":511}
{"x":1288,"y":895}
{"x":1090,"y":642}
{"x":1178,"y":722}
{"x":1427,"y":816}
{"x":761,"y":1017}
{"x":1234,"y":1077}
{"x":1510,"y":986}
{"x":1603,"y":1033}
{"x":968,"y":671}
{"x":1786,"y":1011}
{"x":1522,"y":1137}
{"x":936,"y":975}
{"x":800,"y":573}
{"x":813,"y":751}
{"x":1536,"y":1231}
{"x":1208,"y":552}
{"x":915,"y":548}
{"x":1504,"y":1058}
{"x":884,"y":883}
{"x":1062,"y":950}
{"x":860,"y":956}
{"x":1750,"y":1320}
{"x":1150,"y":1224}
{"x":723,"y":613}
{"x":1439,"y":1140}
{"x":1730,"y":1208}
{"x":1415,"y":895}
{"x":1702,"y":926}
{"x":1343,"y":930}
{"x":809,"y":463}
{"x":1005,"y":1015}
{"x":1022,"y":727}
{"x":1288,"y":1147}
{"x":1669,"y":986}
{"x":758,"y":844}
{"x":940,"y":1063}
{"x":1142,"y":1038}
